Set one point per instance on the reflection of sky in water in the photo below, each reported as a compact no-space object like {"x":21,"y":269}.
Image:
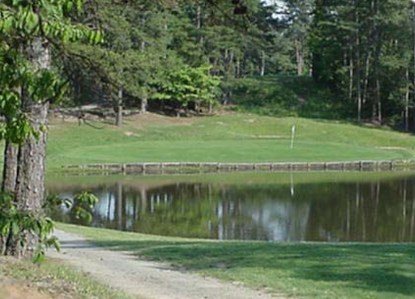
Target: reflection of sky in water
{"x":106,"y":205}
{"x":282,"y":220}
{"x":375,"y":211}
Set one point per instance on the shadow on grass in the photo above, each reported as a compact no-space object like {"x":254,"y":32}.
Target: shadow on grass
{"x":371,"y":267}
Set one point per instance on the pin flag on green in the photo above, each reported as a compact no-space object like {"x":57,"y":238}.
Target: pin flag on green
{"x":292,"y":136}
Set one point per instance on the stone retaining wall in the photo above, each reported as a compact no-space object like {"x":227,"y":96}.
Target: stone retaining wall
{"x":196,"y":167}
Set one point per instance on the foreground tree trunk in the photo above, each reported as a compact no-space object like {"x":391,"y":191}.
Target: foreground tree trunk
{"x":9,"y":175}
{"x":24,"y":164}
{"x":10,"y":172}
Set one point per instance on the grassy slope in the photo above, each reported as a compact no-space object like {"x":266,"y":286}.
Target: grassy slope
{"x":229,"y":138}
{"x":305,"y":270}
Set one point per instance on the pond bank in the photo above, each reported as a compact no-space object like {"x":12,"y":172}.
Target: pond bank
{"x":298,"y":270}
{"x":125,"y":271}
{"x":199,"y":167}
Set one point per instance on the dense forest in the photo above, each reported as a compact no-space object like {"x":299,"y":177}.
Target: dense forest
{"x":350,"y":59}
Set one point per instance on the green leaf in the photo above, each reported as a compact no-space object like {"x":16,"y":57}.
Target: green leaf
{"x":15,"y":228}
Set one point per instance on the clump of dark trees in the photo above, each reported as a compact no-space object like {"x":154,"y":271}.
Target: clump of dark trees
{"x":357,"y":57}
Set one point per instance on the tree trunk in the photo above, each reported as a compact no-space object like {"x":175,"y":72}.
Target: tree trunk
{"x":30,"y":188}
{"x":351,"y":77}
{"x":118,"y":117}
{"x":366,"y":79}
{"x":10,"y":172}
{"x":378,"y":50}
{"x":238,"y":68}
{"x":144,"y":102}
{"x":299,"y":57}
{"x":143,"y":42}
{"x":262,"y":73}
{"x":9,"y":175}
{"x":413,"y":78}
{"x":24,"y":165}
{"x":199,"y":22}
{"x":378,"y":101}
{"x":406,"y":112}
{"x":358,"y":64}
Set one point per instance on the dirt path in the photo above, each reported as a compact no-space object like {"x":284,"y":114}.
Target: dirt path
{"x":145,"y":279}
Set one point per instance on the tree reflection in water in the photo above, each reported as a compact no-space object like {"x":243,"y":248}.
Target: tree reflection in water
{"x":375,"y":211}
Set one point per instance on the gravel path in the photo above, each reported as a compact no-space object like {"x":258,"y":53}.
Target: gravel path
{"x":145,"y":279}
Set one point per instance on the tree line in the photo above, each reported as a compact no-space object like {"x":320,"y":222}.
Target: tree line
{"x":199,"y":53}
{"x":177,"y":54}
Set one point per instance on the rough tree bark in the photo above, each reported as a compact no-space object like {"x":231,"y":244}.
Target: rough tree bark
{"x":24,"y":164}
{"x":9,"y":172}
{"x":9,"y":175}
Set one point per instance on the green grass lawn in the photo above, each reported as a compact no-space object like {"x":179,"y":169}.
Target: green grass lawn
{"x":228,"y":138}
{"x":304,"y":270}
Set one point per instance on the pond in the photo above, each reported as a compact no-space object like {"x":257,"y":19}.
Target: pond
{"x":291,"y":207}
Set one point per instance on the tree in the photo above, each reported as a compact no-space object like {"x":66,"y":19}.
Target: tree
{"x":29,"y":31}
{"x":186,"y":84}
{"x":362,"y":50}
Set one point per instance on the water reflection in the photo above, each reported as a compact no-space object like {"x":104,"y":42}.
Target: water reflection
{"x":376,"y":211}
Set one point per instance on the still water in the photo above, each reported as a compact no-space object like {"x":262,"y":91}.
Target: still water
{"x":336,"y":207}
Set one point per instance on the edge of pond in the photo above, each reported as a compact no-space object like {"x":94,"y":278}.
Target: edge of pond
{"x":212,"y":167}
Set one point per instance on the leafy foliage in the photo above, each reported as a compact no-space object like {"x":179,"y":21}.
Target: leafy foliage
{"x":29,"y":31}
{"x":18,"y":223}
{"x":285,"y":96}
{"x":363,"y":50}
{"x":189,"y":84}
{"x":22,"y":23}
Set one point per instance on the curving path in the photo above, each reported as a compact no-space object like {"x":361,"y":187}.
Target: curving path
{"x":145,"y":279}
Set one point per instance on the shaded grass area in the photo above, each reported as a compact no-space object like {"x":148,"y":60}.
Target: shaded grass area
{"x":305,"y":270}
{"x":52,"y":279}
{"x":226,"y":138}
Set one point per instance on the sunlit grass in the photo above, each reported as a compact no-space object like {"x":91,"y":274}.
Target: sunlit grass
{"x":304,"y":270}
{"x":230,"y":138}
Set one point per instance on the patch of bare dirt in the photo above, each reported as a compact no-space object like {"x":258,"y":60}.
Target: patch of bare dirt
{"x":32,"y":282}
{"x":140,"y":120}
{"x":135,"y":120}
{"x":17,"y":291}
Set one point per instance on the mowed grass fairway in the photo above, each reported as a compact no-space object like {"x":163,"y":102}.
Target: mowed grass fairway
{"x":226,"y":138}
{"x":302,"y":270}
